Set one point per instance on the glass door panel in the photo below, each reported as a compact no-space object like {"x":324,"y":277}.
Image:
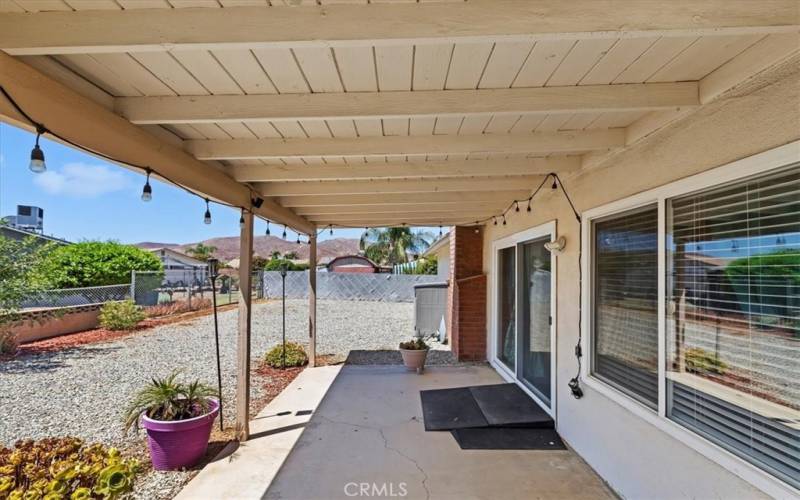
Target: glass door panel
{"x":506,"y":300}
{"x":534,"y":329}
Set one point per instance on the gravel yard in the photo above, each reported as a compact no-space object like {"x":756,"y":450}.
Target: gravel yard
{"x":83,"y":390}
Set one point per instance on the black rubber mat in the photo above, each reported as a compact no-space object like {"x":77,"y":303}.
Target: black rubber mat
{"x":506,"y":405}
{"x":447,"y":409}
{"x":508,"y":438}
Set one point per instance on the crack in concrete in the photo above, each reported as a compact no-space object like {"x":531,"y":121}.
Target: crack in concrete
{"x":380,"y":431}
{"x":420,"y":469}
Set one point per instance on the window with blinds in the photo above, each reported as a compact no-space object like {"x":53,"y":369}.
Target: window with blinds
{"x":733,"y":321}
{"x":625,"y":322}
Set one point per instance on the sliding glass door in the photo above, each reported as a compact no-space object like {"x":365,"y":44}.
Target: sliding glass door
{"x":534,"y":329}
{"x":524,"y":309}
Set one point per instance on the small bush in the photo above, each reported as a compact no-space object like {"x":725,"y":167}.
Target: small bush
{"x":701,"y":361}
{"x":124,"y":315}
{"x":8,"y":342}
{"x":414,"y":345}
{"x":64,"y":468}
{"x":295,"y":355}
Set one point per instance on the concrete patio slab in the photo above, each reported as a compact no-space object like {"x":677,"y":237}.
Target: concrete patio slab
{"x":366,"y":438}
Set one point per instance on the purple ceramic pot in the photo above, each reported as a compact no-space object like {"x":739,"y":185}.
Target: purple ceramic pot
{"x":180,"y":443}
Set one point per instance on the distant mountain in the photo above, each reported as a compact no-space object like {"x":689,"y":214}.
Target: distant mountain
{"x":263,"y":246}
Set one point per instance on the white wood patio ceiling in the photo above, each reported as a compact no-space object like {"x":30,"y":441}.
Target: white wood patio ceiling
{"x":410,"y":127}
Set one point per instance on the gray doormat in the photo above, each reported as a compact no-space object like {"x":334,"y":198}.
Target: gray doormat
{"x":490,"y":417}
{"x":506,"y":405}
{"x":508,"y":438}
{"x":447,"y":409}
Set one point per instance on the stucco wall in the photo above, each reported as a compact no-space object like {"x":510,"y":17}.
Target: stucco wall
{"x":637,"y":459}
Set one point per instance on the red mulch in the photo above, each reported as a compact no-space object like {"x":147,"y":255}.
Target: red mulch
{"x":275,"y":380}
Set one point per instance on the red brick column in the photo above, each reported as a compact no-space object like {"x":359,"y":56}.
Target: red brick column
{"x":466,"y":295}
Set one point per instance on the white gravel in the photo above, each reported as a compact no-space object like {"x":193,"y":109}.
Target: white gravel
{"x":82,"y":391}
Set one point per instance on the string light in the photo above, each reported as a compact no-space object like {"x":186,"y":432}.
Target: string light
{"x":440,"y":231}
{"x":504,"y":219}
{"x":284,"y":231}
{"x":207,"y":217}
{"x":267,"y":228}
{"x":516,"y":206}
{"x":37,"y":164}
{"x":241,"y":220}
{"x":298,"y":239}
{"x":555,"y":182}
{"x":331,"y":230}
{"x":494,"y":220}
{"x":147,"y":191}
{"x":529,"y":204}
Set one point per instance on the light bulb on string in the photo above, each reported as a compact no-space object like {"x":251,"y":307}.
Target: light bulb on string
{"x":284,"y":232}
{"x":331,"y":229}
{"x":494,"y":220}
{"x":267,"y":228}
{"x":147,"y":191}
{"x":516,"y":206}
{"x":504,"y":219}
{"x":241,"y":220}
{"x":555,"y":183}
{"x":207,"y":217}
{"x":529,"y":204}
{"x":37,"y":164}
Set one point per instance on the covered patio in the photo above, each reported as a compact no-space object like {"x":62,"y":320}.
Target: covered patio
{"x":360,"y":430}
{"x":515,"y":123}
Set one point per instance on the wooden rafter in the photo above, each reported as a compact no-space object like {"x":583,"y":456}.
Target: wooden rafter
{"x":332,"y":25}
{"x":355,"y":105}
{"x":538,"y":143}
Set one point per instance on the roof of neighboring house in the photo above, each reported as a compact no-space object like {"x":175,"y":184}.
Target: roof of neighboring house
{"x":18,"y":234}
{"x":188,"y":259}
{"x":437,"y":245}
{"x":363,"y":261}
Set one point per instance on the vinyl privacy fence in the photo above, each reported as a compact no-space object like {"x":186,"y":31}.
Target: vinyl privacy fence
{"x":347,"y":286}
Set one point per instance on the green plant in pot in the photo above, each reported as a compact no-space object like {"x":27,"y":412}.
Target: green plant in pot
{"x":177,"y":417}
{"x":414,"y":353}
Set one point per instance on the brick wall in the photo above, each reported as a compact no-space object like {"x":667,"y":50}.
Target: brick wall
{"x":466,"y":295}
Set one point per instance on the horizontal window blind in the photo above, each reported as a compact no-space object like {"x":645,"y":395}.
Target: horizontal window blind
{"x":734,"y":330}
{"x":625,"y":326}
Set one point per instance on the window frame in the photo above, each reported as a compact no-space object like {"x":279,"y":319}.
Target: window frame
{"x":765,"y":162}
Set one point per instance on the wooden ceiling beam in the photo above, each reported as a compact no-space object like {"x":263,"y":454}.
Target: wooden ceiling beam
{"x":404,"y":170}
{"x":393,"y":209}
{"x":377,"y":200}
{"x":537,"y":143}
{"x":432,"y":186}
{"x":355,"y":105}
{"x":348,"y":25}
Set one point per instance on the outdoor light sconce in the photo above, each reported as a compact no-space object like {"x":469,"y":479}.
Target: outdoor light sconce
{"x":556,"y":246}
{"x":213,"y":268}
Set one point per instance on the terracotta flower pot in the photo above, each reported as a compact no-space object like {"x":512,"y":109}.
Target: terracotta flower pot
{"x":414,"y":359}
{"x":180,"y":443}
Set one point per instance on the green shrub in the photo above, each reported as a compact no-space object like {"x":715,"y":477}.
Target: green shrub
{"x":8,"y":342}
{"x":276,"y":264}
{"x":414,"y":345}
{"x":124,"y":315}
{"x":701,"y":361}
{"x":170,"y":400}
{"x":61,"y":468}
{"x":295,"y":355}
{"x":95,"y":263}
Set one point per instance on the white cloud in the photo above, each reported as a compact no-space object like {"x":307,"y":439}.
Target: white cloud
{"x":81,"y":180}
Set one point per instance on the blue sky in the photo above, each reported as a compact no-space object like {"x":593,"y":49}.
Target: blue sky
{"x":85,"y":198}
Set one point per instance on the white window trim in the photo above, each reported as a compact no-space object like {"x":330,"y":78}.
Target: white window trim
{"x":542,"y":230}
{"x":760,"y":163}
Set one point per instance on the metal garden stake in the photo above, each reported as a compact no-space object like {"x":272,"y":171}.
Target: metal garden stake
{"x":284,"y":269}
{"x":213,"y":273}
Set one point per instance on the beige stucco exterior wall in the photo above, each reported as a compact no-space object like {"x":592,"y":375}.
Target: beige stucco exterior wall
{"x":637,"y":459}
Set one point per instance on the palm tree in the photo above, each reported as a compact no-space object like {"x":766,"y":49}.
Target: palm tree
{"x":201,"y":251}
{"x":393,"y":245}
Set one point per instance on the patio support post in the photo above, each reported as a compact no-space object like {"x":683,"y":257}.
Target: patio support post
{"x":312,"y":300}
{"x":243,"y":343}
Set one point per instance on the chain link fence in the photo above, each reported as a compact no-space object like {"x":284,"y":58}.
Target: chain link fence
{"x":347,"y":286}
{"x":151,"y":288}
{"x":70,"y":297}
